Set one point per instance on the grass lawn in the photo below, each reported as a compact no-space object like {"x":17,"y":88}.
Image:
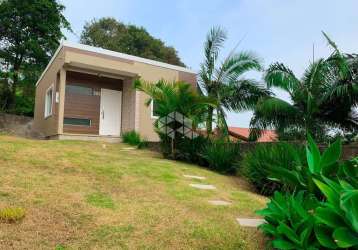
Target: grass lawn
{"x":84,"y":195}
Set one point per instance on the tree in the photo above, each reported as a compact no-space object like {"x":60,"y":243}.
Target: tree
{"x":108,"y":33}
{"x":225,"y":82}
{"x":30,"y":32}
{"x":325,"y":97}
{"x":176,"y":96}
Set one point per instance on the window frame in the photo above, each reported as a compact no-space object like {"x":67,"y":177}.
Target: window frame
{"x":50,"y":113}
{"x":78,"y":125}
{"x":152,"y":110}
{"x":75,"y":85}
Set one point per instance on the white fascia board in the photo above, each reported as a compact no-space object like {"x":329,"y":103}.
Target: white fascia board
{"x":125,"y":56}
{"x":114,"y":54}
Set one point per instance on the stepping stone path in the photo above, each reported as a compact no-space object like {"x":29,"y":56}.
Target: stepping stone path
{"x":250,"y":222}
{"x":203,"y":186}
{"x":220,"y":203}
{"x":242,"y":221}
{"x":194,"y":177}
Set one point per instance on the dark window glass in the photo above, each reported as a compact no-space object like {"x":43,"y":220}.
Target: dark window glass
{"x":79,"y":90}
{"x":77,"y":121}
{"x":155,"y":109}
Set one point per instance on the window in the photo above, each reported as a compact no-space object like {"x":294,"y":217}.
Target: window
{"x":154,"y":108}
{"x":48,"y":102}
{"x":79,"y":90}
{"x":77,"y":121}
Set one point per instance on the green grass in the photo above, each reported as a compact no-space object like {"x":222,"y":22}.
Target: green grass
{"x":81,"y":195}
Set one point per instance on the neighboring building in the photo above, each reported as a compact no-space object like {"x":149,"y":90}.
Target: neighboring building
{"x":87,"y":92}
{"x":242,"y":134}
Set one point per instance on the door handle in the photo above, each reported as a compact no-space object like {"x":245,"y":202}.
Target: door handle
{"x":102,"y":114}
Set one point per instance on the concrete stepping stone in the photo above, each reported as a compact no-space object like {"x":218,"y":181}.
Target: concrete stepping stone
{"x":203,"y":186}
{"x":194,"y":177}
{"x":250,"y":222}
{"x":220,"y":203}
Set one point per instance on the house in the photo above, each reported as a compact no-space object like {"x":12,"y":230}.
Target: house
{"x":242,"y":134}
{"x":87,"y":93}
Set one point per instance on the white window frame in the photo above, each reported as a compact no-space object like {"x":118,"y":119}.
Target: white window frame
{"x":151,"y":110}
{"x":46,"y":115}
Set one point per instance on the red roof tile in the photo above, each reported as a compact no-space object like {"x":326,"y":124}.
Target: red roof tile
{"x":244,"y":133}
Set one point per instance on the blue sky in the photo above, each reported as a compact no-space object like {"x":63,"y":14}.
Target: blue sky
{"x":277,"y":30}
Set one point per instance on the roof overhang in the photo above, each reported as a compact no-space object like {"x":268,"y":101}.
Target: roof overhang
{"x":104,"y":52}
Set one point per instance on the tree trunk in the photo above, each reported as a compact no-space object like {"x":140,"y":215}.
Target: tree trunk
{"x":12,"y":99}
{"x":209,"y":121}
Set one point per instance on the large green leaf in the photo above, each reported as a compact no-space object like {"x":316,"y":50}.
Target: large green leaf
{"x":349,"y":203}
{"x":288,"y":232}
{"x":329,"y":217}
{"x":345,"y":238}
{"x":330,"y":156}
{"x":283,"y":244}
{"x":313,"y":156}
{"x":331,"y":195}
{"x":324,"y":236}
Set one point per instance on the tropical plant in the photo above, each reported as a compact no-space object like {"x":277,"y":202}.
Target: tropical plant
{"x":225,"y":82}
{"x":222,"y":156}
{"x":325,"y":97}
{"x":259,"y":163}
{"x":290,"y":221}
{"x":108,"y":33}
{"x":337,"y":217}
{"x":333,"y":214}
{"x":176,"y":96}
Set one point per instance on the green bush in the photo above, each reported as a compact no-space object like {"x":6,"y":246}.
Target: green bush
{"x":332,"y":222}
{"x":133,"y":138}
{"x":222,"y":156}
{"x":188,"y":150}
{"x":290,"y":221}
{"x":12,"y":214}
{"x":257,"y":164}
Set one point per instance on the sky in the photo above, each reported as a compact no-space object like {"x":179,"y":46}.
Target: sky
{"x":277,"y":30}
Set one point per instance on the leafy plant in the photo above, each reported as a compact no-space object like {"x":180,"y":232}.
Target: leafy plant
{"x":12,"y":214}
{"x":260,"y":162}
{"x":301,"y":176}
{"x":133,"y":138}
{"x":290,"y":221}
{"x":334,"y":218}
{"x":222,"y":155}
{"x":337,"y":217}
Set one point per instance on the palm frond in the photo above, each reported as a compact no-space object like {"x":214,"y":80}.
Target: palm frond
{"x":243,"y":95}
{"x":235,"y":65}
{"x":280,"y":76}
{"x":273,"y":112}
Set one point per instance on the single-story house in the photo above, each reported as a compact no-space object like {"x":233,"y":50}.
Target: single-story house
{"x":242,"y":134}
{"x":87,"y":92}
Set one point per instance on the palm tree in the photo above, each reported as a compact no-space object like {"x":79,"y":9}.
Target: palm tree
{"x":325,"y":97}
{"x":224,"y":81}
{"x":176,"y":96}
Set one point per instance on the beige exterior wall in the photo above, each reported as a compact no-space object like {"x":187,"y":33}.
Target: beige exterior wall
{"x":135,"y":114}
{"x":49,"y":126}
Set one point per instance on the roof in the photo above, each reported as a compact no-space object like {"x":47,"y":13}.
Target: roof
{"x":113,"y":54}
{"x":244,"y":133}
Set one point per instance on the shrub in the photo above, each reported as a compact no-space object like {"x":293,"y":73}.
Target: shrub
{"x":290,"y":221}
{"x":12,"y":214}
{"x":222,"y":156}
{"x":188,"y":150}
{"x":334,"y":217}
{"x":258,"y":163}
{"x":133,"y":138}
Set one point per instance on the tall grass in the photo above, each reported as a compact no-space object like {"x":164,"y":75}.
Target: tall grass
{"x":256,"y":164}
